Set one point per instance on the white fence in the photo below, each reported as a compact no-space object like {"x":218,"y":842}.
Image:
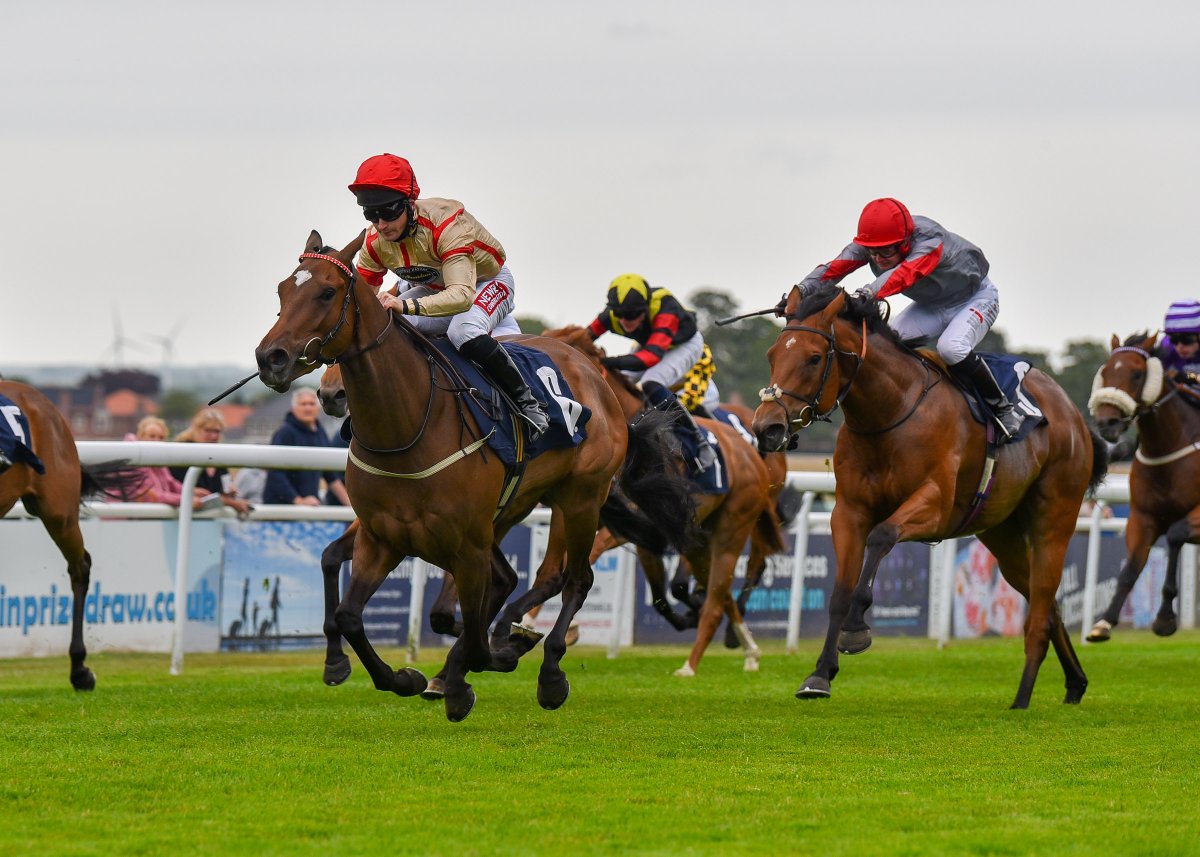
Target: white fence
{"x":197,"y":456}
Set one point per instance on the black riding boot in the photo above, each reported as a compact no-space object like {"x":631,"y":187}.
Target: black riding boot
{"x":977,"y":372}
{"x":660,"y":397}
{"x":494,"y":360}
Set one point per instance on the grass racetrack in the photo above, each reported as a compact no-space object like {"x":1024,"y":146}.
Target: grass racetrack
{"x":915,"y":753}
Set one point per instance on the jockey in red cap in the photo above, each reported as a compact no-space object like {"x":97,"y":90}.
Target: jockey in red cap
{"x":954,"y":303}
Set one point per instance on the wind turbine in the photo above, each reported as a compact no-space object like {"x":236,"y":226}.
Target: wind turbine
{"x":168,"y":349}
{"x":117,"y":347}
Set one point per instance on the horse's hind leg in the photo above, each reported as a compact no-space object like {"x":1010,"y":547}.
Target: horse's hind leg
{"x":64,"y":531}
{"x":337,"y":665}
{"x":1179,"y":533}
{"x":1076,"y":679}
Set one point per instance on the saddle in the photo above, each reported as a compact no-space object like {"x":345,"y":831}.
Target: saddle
{"x":1009,"y":372}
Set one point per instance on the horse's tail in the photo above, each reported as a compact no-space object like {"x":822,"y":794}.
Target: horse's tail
{"x":1099,"y":461}
{"x":788,"y":503}
{"x":769,"y":530}
{"x":652,"y":505}
{"x":115,"y":480}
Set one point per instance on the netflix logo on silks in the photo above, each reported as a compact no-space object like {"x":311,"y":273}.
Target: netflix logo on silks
{"x":491,"y":296}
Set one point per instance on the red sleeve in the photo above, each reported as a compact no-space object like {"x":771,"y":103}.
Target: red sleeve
{"x":906,"y":274}
{"x":839,"y":268}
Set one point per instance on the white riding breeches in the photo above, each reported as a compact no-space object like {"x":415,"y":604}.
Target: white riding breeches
{"x":490,"y":313}
{"x":675,"y":364}
{"x":958,"y":327}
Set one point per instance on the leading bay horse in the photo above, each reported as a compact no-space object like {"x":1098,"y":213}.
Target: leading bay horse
{"x":422,"y":486}
{"x":1164,"y":479}
{"x":55,"y":497}
{"x":909,"y":462}
{"x":745,"y":513}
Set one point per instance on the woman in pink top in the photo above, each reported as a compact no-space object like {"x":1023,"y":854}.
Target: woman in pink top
{"x":158,"y":485}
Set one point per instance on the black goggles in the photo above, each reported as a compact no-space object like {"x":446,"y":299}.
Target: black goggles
{"x":1185,"y":338}
{"x":628,"y":314}
{"x":386,"y":213}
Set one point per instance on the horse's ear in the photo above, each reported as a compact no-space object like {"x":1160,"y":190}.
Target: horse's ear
{"x":314,"y":243}
{"x":349,"y":251}
{"x":793,"y":300}
{"x":835,"y":307}
{"x":1116,"y":342}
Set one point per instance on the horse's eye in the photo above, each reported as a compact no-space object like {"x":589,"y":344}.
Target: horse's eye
{"x":328,"y":294}
{"x":814,"y":360}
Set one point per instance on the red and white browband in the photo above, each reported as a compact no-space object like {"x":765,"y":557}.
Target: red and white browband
{"x":345,"y":268}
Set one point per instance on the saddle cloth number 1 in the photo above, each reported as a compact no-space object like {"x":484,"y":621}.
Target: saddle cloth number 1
{"x":10,"y":415}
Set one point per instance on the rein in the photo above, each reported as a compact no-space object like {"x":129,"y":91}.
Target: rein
{"x":351,"y":279}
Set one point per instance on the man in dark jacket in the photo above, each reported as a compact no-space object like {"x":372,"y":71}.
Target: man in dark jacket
{"x":300,"y":428}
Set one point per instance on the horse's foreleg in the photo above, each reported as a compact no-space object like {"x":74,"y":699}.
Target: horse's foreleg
{"x":546,"y":584}
{"x":441,"y":614}
{"x":580,"y":523}
{"x":371,"y":567}
{"x":1140,"y":533}
{"x":856,"y":633}
{"x":337,"y":665}
{"x":848,"y":548}
{"x":1178,"y":534}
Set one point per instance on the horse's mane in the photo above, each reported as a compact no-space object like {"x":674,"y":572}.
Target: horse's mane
{"x":856,"y":309}
{"x":577,"y":337}
{"x":1137,"y":339}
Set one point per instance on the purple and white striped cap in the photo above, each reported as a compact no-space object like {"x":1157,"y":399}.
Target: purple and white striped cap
{"x":1183,"y":317}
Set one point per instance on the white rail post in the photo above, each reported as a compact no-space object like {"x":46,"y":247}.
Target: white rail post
{"x":1187,"y":587}
{"x":621,"y":597}
{"x":183,"y":550}
{"x":1091,"y":573}
{"x":799,"y":557}
{"x":941,"y":590}
{"x":416,"y":607}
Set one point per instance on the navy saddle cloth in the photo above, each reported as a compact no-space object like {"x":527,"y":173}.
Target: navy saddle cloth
{"x":1009,"y":372}
{"x":714,"y":480}
{"x":15,"y":436}
{"x":568,"y":418}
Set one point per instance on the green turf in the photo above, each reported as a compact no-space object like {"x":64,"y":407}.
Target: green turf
{"x":916,"y":753}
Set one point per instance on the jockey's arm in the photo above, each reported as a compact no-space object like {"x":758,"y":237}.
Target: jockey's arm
{"x":458,"y":272}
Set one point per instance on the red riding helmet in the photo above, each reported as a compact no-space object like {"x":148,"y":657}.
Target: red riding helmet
{"x":383,"y":179}
{"x":883,"y":222}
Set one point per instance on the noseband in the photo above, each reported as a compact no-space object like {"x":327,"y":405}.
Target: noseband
{"x":351,"y":279}
{"x":1128,"y":407}
{"x":808,"y":413}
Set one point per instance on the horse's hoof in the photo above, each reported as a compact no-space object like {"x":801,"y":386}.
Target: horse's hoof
{"x":814,"y":687}
{"x":685,"y":671}
{"x":751,"y":663}
{"x":854,"y":642}
{"x":84,"y":680}
{"x":1101,"y":632}
{"x":1165,"y":627}
{"x":337,"y":671}
{"x":552,"y":694}
{"x":572,"y":634}
{"x":435,"y":689}
{"x":409,"y":682}
{"x":1074,"y":695}
{"x":524,"y":634}
{"x":459,"y":705}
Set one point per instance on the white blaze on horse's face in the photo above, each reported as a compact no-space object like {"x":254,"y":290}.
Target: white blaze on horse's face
{"x":302,"y":277}
{"x":791,"y":341}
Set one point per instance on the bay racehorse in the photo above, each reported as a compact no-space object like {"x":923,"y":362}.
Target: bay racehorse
{"x":54,"y":496}
{"x":422,"y":486}
{"x":1164,"y":479}
{"x":909,"y":465}
{"x":745,"y":513}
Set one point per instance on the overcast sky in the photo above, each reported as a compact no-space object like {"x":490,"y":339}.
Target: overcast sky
{"x":161,"y":164}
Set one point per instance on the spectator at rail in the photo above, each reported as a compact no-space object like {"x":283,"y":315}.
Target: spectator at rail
{"x":1180,"y":348}
{"x":301,"y":428}
{"x":157,"y":484}
{"x":208,"y":426}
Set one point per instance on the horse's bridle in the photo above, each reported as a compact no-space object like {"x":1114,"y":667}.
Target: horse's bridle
{"x":351,"y":279}
{"x":1150,"y":398}
{"x":808,"y":413}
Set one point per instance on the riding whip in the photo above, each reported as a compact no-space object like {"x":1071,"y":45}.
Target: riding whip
{"x":245,"y":380}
